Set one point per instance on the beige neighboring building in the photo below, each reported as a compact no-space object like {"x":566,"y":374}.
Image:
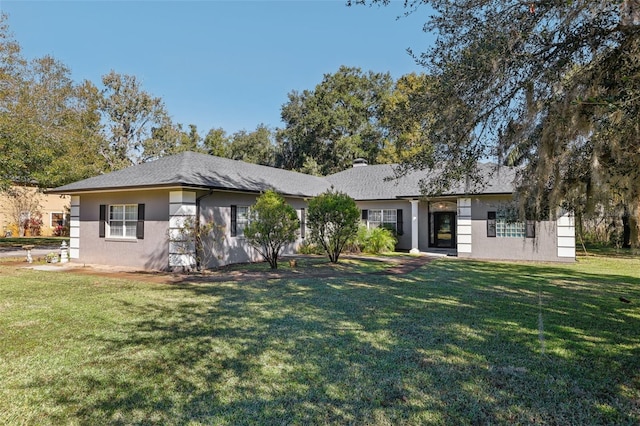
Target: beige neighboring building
{"x":53,"y":207}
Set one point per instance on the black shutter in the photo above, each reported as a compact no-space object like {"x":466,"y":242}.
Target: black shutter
{"x":399,"y":222}
{"x":303,"y":223}
{"x":491,"y":224}
{"x":234,"y":220}
{"x":531,"y":229}
{"x":103,"y":220}
{"x":140,"y":224}
{"x":365,"y":215}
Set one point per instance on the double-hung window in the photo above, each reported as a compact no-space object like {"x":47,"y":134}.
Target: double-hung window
{"x":384,"y":218}
{"x":123,"y":220}
{"x":390,"y":219}
{"x":239,"y":220}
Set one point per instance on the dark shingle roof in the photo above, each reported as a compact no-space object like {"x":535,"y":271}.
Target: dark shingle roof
{"x":191,"y":169}
{"x":200,"y":170}
{"x":377,"y":182}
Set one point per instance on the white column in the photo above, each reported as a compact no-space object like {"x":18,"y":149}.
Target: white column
{"x":463,"y":227}
{"x":566,"y":230}
{"x":414,"y":227}
{"x":182,"y":251}
{"x":74,"y":228}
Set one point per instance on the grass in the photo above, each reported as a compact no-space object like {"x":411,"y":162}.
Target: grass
{"x":606,"y":250}
{"x":354,"y":264}
{"x":37,"y":241}
{"x":455,"y":342}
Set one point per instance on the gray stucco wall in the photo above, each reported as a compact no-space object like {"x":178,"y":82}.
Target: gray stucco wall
{"x":228,"y":249}
{"x":541,"y":248}
{"x":149,"y":253}
{"x":404,"y":240}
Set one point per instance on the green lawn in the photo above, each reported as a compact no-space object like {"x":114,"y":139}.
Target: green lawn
{"x":456,"y":342}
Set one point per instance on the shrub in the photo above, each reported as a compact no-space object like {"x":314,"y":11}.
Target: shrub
{"x":61,"y":231}
{"x":308,"y":247}
{"x":374,"y":240}
{"x":33,"y":225}
{"x":379,"y":240}
{"x":333,"y":220}
{"x":197,"y":239}
{"x":273,"y":224}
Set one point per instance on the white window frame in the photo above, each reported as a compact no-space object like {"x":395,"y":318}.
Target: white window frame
{"x":64,"y":219}
{"x":388,"y":219}
{"x":242,"y":219}
{"x":130,"y":223}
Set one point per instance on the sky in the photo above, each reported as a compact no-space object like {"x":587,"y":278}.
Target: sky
{"x":219,"y":64}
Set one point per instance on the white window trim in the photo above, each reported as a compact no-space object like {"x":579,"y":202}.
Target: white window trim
{"x":124,"y":222}
{"x":247,"y":220}
{"x":64,"y":219}
{"x":382,"y":222}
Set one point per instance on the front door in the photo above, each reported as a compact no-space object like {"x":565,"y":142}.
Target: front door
{"x":444,"y":229}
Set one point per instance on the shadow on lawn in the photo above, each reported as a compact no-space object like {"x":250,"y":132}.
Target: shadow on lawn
{"x":455,"y":342}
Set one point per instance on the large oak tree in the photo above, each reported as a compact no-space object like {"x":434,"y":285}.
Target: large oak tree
{"x":47,"y":121}
{"x":328,"y":127}
{"x":552,"y":86}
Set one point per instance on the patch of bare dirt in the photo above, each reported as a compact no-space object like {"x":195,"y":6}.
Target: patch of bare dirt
{"x":401,"y":266}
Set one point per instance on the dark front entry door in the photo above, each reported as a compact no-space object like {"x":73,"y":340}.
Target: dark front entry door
{"x":444,"y":229}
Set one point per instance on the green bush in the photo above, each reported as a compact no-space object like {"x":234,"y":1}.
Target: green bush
{"x":273,"y":224}
{"x":374,"y":241}
{"x":333,"y":219}
{"x":308,"y":247}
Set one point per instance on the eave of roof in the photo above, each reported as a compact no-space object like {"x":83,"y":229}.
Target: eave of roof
{"x":200,"y":171}
{"x":379,"y":182}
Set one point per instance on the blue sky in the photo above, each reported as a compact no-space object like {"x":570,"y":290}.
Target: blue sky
{"x":218,"y":63}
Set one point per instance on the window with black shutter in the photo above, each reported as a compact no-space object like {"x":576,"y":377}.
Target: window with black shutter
{"x":103,"y":220}
{"x":140,"y":223}
{"x":399,"y":223}
{"x":234,"y":220}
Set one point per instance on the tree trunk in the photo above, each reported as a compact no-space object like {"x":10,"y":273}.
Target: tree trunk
{"x":626,"y":228}
{"x":634,"y":227}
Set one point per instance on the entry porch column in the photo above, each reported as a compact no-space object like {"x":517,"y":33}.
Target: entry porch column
{"x":464,"y":228}
{"x":414,"y":227}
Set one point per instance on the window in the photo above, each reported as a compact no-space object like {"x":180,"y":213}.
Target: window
{"x":239,"y":220}
{"x":123,"y":221}
{"x":503,"y":224}
{"x":57,"y":219}
{"x":509,"y":229}
{"x":386,"y":218}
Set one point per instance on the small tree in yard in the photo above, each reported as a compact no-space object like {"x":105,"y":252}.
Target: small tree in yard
{"x":272,"y":224}
{"x":333,"y":220}
{"x":200,"y":239}
{"x":24,"y":209}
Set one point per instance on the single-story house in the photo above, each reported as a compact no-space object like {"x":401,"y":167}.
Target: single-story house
{"x":22,"y":202}
{"x":134,"y":217}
